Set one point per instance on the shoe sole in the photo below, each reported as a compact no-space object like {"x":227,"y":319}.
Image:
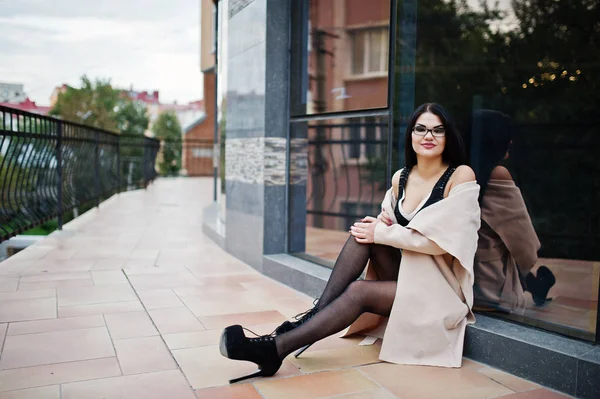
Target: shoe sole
{"x":223,"y":344}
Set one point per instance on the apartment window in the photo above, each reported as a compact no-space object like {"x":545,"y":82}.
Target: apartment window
{"x":369,"y":51}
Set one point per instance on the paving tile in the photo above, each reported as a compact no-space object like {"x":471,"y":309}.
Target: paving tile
{"x":3,"y":328}
{"x":55,"y":347}
{"x":8,"y":284}
{"x":318,"y":385}
{"x":101,"y":308}
{"x":27,"y":309}
{"x":332,"y":359}
{"x":175,"y":320}
{"x":58,"y":373}
{"x":508,"y":380}
{"x":8,"y":296}
{"x":205,"y":367}
{"x":159,"y":298}
{"x":244,"y":319}
{"x":221,"y":304}
{"x":335,"y":342}
{"x":236,"y":391}
{"x":108,"y":277}
{"x":371,"y":394}
{"x":193,"y":339}
{"x":44,"y":285}
{"x":167,"y":280}
{"x":108,"y":264}
{"x":49,"y":392}
{"x":40,"y":326}
{"x":34,"y":278}
{"x":159,"y":385}
{"x":540,"y":393}
{"x":130,"y":325}
{"x":415,"y":382}
{"x":143,"y":355}
{"x":93,"y":295}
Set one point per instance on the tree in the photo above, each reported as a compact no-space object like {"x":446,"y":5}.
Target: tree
{"x":93,"y":104}
{"x":168,"y":130}
{"x":98,"y":104}
{"x":132,"y":117}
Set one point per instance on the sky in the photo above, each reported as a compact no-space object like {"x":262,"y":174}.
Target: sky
{"x":147,"y":44}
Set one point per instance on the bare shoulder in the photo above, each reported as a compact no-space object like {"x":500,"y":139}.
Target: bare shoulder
{"x":462,"y":174}
{"x":500,"y":173}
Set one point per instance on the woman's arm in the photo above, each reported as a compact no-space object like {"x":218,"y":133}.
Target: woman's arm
{"x":406,"y":238}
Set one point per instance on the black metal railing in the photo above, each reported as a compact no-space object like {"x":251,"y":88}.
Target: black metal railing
{"x":347,"y":166}
{"x":49,"y":167}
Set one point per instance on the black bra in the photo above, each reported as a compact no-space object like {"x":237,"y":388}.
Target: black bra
{"x":437,"y":193}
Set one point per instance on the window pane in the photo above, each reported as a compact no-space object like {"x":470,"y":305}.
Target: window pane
{"x":523,"y":87}
{"x":375,"y":38}
{"x":358,"y":52}
{"x":330,"y":55}
{"x":331,"y":185}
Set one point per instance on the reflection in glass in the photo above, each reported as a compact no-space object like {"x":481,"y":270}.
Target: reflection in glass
{"x":346,"y":52}
{"x":538,"y":65}
{"x":508,"y":244}
{"x":338,"y":175}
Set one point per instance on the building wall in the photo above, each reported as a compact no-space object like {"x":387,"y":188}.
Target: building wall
{"x":207,"y":55}
{"x":198,"y":141}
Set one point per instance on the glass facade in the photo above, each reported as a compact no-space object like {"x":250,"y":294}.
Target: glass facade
{"x":343,"y":55}
{"x":522,"y":73}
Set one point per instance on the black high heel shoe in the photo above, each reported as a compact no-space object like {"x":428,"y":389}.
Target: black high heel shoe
{"x":260,"y":350}
{"x":540,"y":285}
{"x":300,"y":319}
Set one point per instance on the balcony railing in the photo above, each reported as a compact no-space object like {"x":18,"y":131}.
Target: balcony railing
{"x":49,"y":167}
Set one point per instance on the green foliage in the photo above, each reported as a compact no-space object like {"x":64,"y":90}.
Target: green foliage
{"x":168,"y":130}
{"x":100,"y":105}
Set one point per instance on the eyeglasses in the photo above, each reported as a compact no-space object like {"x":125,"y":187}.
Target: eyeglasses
{"x":420,"y":130}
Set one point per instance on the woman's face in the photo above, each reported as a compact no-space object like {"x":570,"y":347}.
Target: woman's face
{"x":428,"y":136}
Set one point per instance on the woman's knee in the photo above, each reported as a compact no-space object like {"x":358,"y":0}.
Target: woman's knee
{"x":356,"y":290}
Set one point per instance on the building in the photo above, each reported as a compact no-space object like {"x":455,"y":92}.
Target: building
{"x":199,"y":135}
{"x":12,"y":93}
{"x":312,"y":102}
{"x":29,"y":106}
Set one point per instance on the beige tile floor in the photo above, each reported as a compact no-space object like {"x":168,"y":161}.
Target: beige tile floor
{"x":129,"y":301}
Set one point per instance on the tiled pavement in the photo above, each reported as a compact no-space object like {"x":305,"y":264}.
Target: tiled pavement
{"x":129,"y":301}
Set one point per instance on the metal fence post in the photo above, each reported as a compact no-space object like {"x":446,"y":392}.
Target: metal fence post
{"x":119,"y":164}
{"x":97,"y":167}
{"x":59,"y":128}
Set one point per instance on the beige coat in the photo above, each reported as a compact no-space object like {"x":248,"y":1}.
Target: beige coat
{"x":434,"y":295}
{"x":507,"y":249}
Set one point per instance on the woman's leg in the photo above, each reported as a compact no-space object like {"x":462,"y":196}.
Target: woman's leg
{"x":360,"y":296}
{"x":352,"y":261}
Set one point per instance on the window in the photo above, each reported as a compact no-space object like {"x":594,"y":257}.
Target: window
{"x":369,"y":51}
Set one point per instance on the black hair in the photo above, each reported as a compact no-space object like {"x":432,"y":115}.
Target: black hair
{"x":454,"y":152}
{"x":490,"y":136}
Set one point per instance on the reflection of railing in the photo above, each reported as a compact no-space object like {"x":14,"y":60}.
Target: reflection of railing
{"x":49,"y":166}
{"x":347,"y":168}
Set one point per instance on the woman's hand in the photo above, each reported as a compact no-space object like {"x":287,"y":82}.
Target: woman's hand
{"x":385,"y":218}
{"x":364,"y":231}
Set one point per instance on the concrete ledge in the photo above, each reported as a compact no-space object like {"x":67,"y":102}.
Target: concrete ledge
{"x":297,"y":273}
{"x":210,"y":225}
{"x":555,"y":361}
